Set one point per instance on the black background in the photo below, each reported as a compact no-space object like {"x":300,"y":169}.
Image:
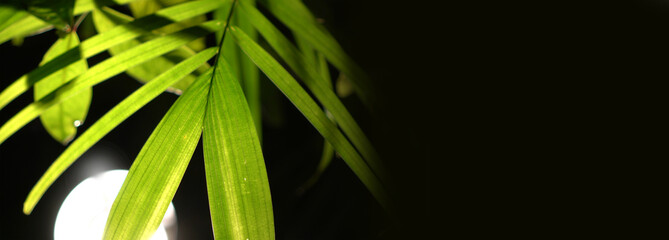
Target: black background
{"x":491,"y":113}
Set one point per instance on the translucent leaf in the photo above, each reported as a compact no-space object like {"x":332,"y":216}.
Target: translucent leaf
{"x":145,"y":195}
{"x":62,"y":120}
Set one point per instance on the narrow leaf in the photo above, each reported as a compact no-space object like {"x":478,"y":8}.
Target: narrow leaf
{"x":309,"y":55}
{"x":308,"y":71}
{"x":55,"y":12}
{"x":295,"y":15}
{"x":113,"y":118}
{"x":249,"y":71}
{"x":106,"y":19}
{"x":140,"y":8}
{"x":30,"y":25}
{"x":62,"y":120}
{"x":81,"y":6}
{"x":239,"y":196}
{"x":242,"y":68}
{"x":105,"y":40}
{"x":145,"y":195}
{"x":105,"y":70}
{"x":308,"y":107}
{"x":26,"y":25}
{"x":9,"y":15}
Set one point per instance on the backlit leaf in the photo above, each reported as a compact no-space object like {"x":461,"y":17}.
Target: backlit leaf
{"x":105,"y":40}
{"x":145,"y":195}
{"x":140,"y":8}
{"x":113,"y":118}
{"x":62,"y":120}
{"x":105,"y":70}
{"x":106,"y":19}
{"x":239,"y":196}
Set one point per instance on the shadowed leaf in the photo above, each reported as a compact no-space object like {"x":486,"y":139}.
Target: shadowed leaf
{"x":308,"y":107}
{"x":55,"y":12}
{"x":308,"y":70}
{"x":297,"y":17}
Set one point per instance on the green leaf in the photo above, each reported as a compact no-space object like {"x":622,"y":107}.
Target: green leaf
{"x":9,"y":15}
{"x":140,"y":8}
{"x":62,"y":120}
{"x":106,"y":19}
{"x":309,"y":55}
{"x":308,"y":71}
{"x":308,"y":107}
{"x":105,"y":70}
{"x":81,"y":6}
{"x":29,"y":25}
{"x":105,"y":40}
{"x":55,"y":12}
{"x":239,"y":195}
{"x":113,"y":118}
{"x":297,"y":17}
{"x":242,"y":68}
{"x":145,"y":195}
{"x":26,"y":25}
{"x":249,"y":71}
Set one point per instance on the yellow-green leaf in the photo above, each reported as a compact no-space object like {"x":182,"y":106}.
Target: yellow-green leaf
{"x":145,"y":195}
{"x":106,"y":19}
{"x":140,"y":8}
{"x":9,"y":14}
{"x":62,"y":120}
{"x":105,"y":40}
{"x":105,"y":70}
{"x":239,"y":196}
{"x":113,"y":118}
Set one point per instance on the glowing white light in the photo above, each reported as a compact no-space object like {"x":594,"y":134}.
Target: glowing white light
{"x":77,"y":123}
{"x":84,"y":212}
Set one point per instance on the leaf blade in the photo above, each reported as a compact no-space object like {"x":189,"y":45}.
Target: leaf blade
{"x":110,"y":120}
{"x":296,"y":16}
{"x":318,"y":84}
{"x":234,"y":162}
{"x":106,"y":19}
{"x":55,"y":12}
{"x":301,"y":99}
{"x":26,"y":25}
{"x":9,"y":15}
{"x":59,"y":121}
{"x":103,"y":41}
{"x":103,"y":71}
{"x":145,"y":196}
